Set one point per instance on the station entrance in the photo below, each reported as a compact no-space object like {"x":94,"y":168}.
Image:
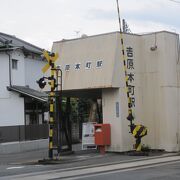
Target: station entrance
{"x":78,"y":107}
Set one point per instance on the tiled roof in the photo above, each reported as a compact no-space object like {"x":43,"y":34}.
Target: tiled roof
{"x":13,"y":41}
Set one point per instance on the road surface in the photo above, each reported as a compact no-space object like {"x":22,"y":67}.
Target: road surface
{"x":92,"y":166}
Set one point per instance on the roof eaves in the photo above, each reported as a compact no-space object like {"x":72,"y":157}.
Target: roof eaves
{"x":27,"y":43}
{"x":4,"y":48}
{"x":11,"y":88}
{"x":92,"y":36}
{"x":30,"y":50}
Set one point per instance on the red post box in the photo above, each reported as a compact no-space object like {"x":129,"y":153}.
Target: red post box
{"x":102,"y":136}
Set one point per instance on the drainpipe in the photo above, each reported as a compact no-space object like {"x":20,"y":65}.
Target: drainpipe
{"x":10,"y":80}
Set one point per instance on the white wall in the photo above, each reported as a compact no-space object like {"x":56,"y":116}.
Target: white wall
{"x":4,"y":76}
{"x":12,"y":110}
{"x":18,"y":75}
{"x":33,"y":72}
{"x":11,"y":104}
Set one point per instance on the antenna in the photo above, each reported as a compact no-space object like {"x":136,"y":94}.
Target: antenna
{"x":77,"y":33}
{"x":125,"y":27}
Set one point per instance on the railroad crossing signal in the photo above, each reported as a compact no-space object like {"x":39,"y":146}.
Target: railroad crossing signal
{"x":51,"y":58}
{"x":53,"y":82}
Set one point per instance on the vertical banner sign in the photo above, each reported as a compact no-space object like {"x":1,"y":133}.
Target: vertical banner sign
{"x":130,"y":75}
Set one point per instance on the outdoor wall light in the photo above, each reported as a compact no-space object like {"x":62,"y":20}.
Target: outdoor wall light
{"x":153,"y":48}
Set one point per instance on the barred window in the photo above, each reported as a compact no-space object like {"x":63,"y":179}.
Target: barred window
{"x":14,"y":64}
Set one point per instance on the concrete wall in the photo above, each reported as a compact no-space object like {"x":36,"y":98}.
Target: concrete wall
{"x":159,"y":89}
{"x":156,"y":92}
{"x":121,"y":140}
{"x":81,"y":51}
{"x":24,"y":146}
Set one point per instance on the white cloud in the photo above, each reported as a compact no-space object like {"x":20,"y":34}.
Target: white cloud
{"x":150,"y":26}
{"x":43,"y":21}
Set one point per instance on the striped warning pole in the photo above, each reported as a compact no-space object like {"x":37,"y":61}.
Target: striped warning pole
{"x":51,"y":58}
{"x":138,"y":145}
{"x":138,"y":131}
{"x":51,"y":109}
{"x":130,"y":116}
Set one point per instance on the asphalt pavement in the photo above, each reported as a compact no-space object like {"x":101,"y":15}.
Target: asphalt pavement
{"x":26,"y":165}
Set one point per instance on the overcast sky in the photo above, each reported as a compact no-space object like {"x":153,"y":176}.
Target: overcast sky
{"x":41,"y":22}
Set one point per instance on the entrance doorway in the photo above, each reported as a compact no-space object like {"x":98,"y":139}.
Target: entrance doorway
{"x":78,"y":107}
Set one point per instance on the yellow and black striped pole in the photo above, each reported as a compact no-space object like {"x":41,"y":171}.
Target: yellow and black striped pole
{"x":130,"y":116}
{"x":138,"y":131}
{"x":51,"y":58}
{"x":51,"y":109}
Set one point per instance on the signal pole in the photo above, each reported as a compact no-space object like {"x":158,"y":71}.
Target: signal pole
{"x":51,"y":109}
{"x":53,"y":81}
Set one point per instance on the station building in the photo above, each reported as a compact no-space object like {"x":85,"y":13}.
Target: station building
{"x":92,"y":67}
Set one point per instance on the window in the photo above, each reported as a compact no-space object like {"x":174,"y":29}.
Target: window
{"x":117,"y":109}
{"x":14,"y":64}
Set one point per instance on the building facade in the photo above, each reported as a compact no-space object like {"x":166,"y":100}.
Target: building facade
{"x":93,"y":66}
{"x":21,"y":102}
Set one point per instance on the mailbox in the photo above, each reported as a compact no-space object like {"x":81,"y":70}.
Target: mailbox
{"x":102,"y":134}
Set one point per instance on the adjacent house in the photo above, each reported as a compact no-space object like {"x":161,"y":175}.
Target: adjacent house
{"x":21,"y":102}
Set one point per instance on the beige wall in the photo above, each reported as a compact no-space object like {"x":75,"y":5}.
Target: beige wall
{"x":83,"y":50}
{"x":159,"y":91}
{"x":156,"y":84}
{"x":121,"y":139}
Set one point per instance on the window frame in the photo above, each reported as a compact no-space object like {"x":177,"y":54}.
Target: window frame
{"x":14,"y":64}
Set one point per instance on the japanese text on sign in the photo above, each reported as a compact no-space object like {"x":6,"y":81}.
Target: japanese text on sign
{"x":87,"y":65}
{"x":130,"y":75}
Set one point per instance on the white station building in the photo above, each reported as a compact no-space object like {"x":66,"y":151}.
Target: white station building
{"x":93,"y":66}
